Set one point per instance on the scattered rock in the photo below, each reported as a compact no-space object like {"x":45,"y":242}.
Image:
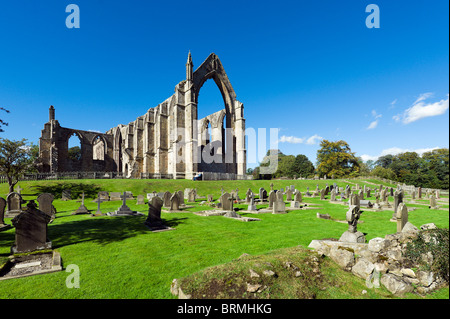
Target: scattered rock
{"x":344,"y":258}
{"x":253,"y":288}
{"x":363,"y":268}
{"x":269,"y":273}
{"x":377,"y":244}
{"x":253,"y":274}
{"x":428,"y":226}
{"x":395,"y":284}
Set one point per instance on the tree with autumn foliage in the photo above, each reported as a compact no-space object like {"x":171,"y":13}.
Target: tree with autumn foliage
{"x":336,"y":159}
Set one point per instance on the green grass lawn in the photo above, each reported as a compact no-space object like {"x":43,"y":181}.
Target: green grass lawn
{"x":119,"y":257}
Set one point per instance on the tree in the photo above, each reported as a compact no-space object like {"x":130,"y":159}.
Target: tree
{"x":336,"y":158}
{"x":384,"y":161}
{"x":303,"y":166}
{"x":15,"y":159}
{"x":1,"y":121}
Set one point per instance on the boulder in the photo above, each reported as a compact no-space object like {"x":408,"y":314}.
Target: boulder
{"x":409,"y":228}
{"x":345,"y":258}
{"x":377,"y":244}
{"x":396,"y":285}
{"x":428,"y":226}
{"x":363,"y":268}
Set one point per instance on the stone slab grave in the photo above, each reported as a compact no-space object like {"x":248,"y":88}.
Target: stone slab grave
{"x":124,"y":210}
{"x":3,"y":226}
{"x":154,"y":221}
{"x":82,"y":209}
{"x":32,"y":252}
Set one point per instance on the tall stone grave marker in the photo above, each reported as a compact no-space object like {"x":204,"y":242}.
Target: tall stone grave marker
{"x":401,"y":216}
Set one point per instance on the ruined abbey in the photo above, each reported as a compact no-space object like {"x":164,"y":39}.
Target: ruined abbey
{"x":169,"y":141}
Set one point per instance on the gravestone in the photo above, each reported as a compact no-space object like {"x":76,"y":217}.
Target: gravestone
{"x":174,"y":202}
{"x":123,"y":210}
{"x":413,"y":194}
{"x":279,"y":207}
{"x":66,"y":195}
{"x":437,"y":194}
{"x":272,"y":198}
{"x":271,"y":187}
{"x":99,"y":201}
{"x":45,"y":201}
{"x":352,"y":234}
{"x":398,"y":198}
{"x":115,"y":196}
{"x":419,"y":195}
{"x":279,"y":196}
{"x":292,"y":188}
{"x":252,"y":205}
{"x":308,"y":194}
{"x":140,"y":200}
{"x":298,"y":196}
{"x":103,"y":196}
{"x":3,"y":226}
{"x":227,"y":204}
{"x":327,"y":190}
{"x":261,"y":194}
{"x":288,"y":195}
{"x":361,"y":194}
{"x":368,"y":192}
{"x":333,"y":195}
{"x":180,"y":198}
{"x":82,"y":209}
{"x":248,"y":195}
{"x":14,"y":204}
{"x":150,"y":196}
{"x":210,"y":198}
{"x":31,"y":230}
{"x":402,"y":216}
{"x":432,"y":202}
{"x":322,"y":194}
{"x":166,"y":199}
{"x":191,"y":196}
{"x":154,"y":221}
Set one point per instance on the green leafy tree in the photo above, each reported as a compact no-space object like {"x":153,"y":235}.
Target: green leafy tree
{"x":303,"y":166}
{"x":15,"y":159}
{"x":336,"y":158}
{"x":3,"y":123}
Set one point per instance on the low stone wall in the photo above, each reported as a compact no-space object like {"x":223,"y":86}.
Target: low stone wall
{"x":380,"y":261}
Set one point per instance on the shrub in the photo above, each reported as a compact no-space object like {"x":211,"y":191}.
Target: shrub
{"x":434,"y":242}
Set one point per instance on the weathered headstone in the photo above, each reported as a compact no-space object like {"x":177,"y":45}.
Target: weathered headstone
{"x":308,"y":194}
{"x":248,"y":195}
{"x":210,"y":198}
{"x":297,"y":196}
{"x":181,"y":198}
{"x":103,"y":196}
{"x":402,"y":216}
{"x":432,"y":202}
{"x":45,"y":201}
{"x":31,"y":230}
{"x":3,"y":226}
{"x":272,"y":198}
{"x":174,"y":202}
{"x":115,"y":196}
{"x":191,"y":196}
{"x":322,"y":194}
{"x":352,"y":234}
{"x":361,"y":194}
{"x":66,"y":195}
{"x":227,"y":204}
{"x":413,"y":194}
{"x":279,"y":207}
{"x":14,"y":204}
{"x":140,"y":200}
{"x":333,"y":195}
{"x":252,"y":205}
{"x":419,"y":195}
{"x":279,"y":196}
{"x":261,"y":194}
{"x":154,"y":221}
{"x":166,"y":199}
{"x":398,"y":198}
{"x":288,"y":195}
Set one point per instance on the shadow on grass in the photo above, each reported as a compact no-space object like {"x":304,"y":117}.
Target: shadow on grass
{"x":90,"y":190}
{"x":103,"y":230}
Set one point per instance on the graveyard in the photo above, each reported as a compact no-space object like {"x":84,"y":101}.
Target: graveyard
{"x":211,"y":239}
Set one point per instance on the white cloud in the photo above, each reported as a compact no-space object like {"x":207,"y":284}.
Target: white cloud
{"x":395,"y":151}
{"x":314,"y":139}
{"x":420,"y":109}
{"x":299,"y":140}
{"x":374,"y":124}
{"x":291,"y":139}
{"x":393,"y":104}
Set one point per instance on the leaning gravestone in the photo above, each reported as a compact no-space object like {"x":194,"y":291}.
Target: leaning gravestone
{"x":3,"y":226}
{"x":66,"y":195}
{"x":14,"y":204}
{"x":154,"y":221}
{"x":402,"y":216}
{"x":31,"y":230}
{"x":45,"y":201}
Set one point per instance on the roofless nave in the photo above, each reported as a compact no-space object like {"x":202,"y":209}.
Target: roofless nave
{"x":169,"y":140}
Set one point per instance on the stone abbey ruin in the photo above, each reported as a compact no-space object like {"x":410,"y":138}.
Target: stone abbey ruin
{"x":169,"y":141}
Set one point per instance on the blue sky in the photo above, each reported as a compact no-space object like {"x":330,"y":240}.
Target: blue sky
{"x":310,"y":68}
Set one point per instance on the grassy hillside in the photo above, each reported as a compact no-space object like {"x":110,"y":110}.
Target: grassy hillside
{"x":119,"y":258}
